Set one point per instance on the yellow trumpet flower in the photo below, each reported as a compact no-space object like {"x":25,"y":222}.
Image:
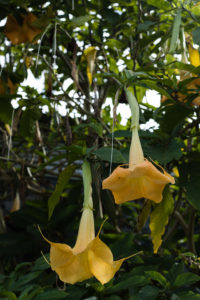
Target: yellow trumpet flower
{"x":17,"y":33}
{"x":141,"y":178}
{"x":194,"y":56}
{"x":90,"y":256}
{"x":90,"y":55}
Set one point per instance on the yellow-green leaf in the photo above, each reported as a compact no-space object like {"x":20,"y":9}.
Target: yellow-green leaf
{"x":159,"y":218}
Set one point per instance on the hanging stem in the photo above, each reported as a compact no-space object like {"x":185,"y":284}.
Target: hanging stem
{"x":136,"y":153}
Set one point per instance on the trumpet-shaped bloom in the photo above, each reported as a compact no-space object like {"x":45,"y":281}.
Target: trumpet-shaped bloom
{"x":90,"y":55}
{"x":137,"y":181}
{"x":89,"y":257}
{"x":141,"y":178}
{"x":18,"y":33}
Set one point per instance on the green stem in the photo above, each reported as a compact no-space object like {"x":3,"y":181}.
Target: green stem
{"x":136,"y":155}
{"x":134,"y":109}
{"x":87,"y":184}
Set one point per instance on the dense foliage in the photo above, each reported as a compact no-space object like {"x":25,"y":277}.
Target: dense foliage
{"x":141,"y":44}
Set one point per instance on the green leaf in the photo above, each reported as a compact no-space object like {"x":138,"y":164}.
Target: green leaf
{"x":5,"y":108}
{"x":96,"y":127}
{"x":113,"y":43}
{"x":188,"y":296}
{"x":163,"y":4}
{"x":148,"y":292}
{"x":154,"y":275}
{"x":79,"y":21}
{"x":159,"y":218}
{"x":132,"y":75}
{"x":196,"y":10}
{"x":163,"y":151}
{"x":189,"y":178}
{"x":27,"y":123}
{"x":175,"y":31}
{"x":142,"y":218}
{"x":30,"y":292}
{"x":104,"y":153}
{"x":154,"y":86}
{"x":176,"y":269}
{"x":133,"y":281}
{"x":174,"y":115}
{"x":186,"y":279}
{"x":23,"y":280}
{"x":63,"y":179}
{"x":122,"y":133}
{"x":196,"y":35}
{"x":75,"y":292}
{"x":51,"y":295}
{"x":8,"y":295}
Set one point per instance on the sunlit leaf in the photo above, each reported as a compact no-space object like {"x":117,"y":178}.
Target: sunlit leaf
{"x":186,"y":279}
{"x":154,"y":275}
{"x":159,"y":218}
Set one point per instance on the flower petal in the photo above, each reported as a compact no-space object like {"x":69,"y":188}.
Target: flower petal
{"x":29,"y":30}
{"x":70,"y":267}
{"x":13,"y":31}
{"x":137,"y":181}
{"x":75,"y":268}
{"x":101,"y":261}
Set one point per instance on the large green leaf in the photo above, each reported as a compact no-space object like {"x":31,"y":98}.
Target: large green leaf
{"x":106,"y":153}
{"x":186,"y":279}
{"x":173,"y":116}
{"x":134,"y":281}
{"x":63,"y":180}
{"x":8,"y":295}
{"x":148,"y":292}
{"x":163,"y":151}
{"x":154,"y":275}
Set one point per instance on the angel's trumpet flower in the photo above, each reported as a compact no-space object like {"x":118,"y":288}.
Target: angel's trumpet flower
{"x":90,"y":55}
{"x":21,"y":33}
{"x":140,"y":178}
{"x":90,"y":256}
